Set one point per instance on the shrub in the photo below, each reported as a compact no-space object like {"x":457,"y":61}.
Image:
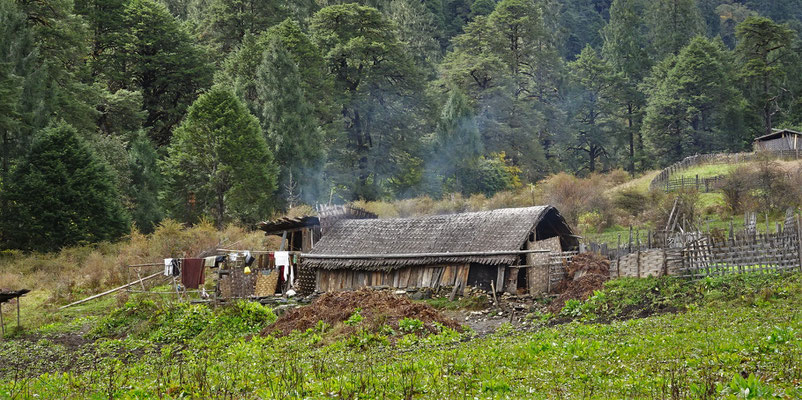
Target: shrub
{"x":591,"y":222}
{"x":631,"y":200}
{"x":574,"y":196}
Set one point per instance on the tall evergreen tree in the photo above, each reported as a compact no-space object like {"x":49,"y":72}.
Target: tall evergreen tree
{"x":378,"y":88}
{"x":218,"y":163}
{"x":694,"y":105}
{"x":161,"y":61}
{"x":593,"y":109}
{"x":672,"y":24}
{"x":145,"y":183}
{"x":61,"y":195}
{"x":230,"y":20}
{"x":289,"y":126}
{"x":765,"y":53}
{"x":458,"y":142}
{"x":626,"y":47}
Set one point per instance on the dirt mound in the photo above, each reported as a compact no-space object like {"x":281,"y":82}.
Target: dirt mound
{"x":586,"y":273}
{"x":376,"y":309}
{"x":587,"y":263}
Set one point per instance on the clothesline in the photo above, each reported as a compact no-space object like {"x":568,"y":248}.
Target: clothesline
{"x":257,"y":251}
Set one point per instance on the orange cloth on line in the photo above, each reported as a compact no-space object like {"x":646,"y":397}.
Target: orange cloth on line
{"x":192,"y":272}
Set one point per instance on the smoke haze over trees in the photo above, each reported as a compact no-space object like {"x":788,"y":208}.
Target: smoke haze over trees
{"x":236,"y":110}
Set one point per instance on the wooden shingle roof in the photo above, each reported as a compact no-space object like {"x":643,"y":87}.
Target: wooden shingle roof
{"x":484,"y":231}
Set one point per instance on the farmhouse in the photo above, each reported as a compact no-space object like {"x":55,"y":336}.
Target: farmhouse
{"x":784,"y":139}
{"x":488,"y":249}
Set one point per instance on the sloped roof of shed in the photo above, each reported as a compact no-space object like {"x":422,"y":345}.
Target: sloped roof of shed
{"x":484,"y":231}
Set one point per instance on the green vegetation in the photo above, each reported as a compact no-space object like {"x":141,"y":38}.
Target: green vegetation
{"x":385,"y":100}
{"x":713,"y":338}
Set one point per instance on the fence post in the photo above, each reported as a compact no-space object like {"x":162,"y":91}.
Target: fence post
{"x":799,"y":239}
{"x":697,"y":182}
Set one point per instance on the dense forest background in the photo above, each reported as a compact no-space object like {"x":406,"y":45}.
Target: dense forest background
{"x":121,"y":112}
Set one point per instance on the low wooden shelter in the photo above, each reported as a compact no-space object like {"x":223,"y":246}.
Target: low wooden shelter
{"x":486,"y":249}
{"x":779,"y":139}
{"x":301,"y":233}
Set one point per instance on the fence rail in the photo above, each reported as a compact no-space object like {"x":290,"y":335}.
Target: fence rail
{"x":660,"y":181}
{"x":755,"y":253}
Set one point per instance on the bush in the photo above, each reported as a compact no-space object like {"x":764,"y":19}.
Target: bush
{"x":631,"y":200}
{"x":574,"y":196}
{"x":765,"y":186}
{"x":591,"y":222}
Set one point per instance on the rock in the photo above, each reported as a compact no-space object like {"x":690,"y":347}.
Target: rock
{"x":279,"y":310}
{"x":400,"y":292}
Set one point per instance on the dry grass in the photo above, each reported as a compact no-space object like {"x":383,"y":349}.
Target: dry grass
{"x":76,"y":272}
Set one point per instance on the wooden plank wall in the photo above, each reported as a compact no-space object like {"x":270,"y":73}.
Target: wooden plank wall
{"x":407,"y":277}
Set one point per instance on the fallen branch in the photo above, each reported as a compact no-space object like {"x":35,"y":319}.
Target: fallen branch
{"x":111,"y":291}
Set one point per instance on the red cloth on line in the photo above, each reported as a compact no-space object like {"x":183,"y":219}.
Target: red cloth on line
{"x":192,"y":272}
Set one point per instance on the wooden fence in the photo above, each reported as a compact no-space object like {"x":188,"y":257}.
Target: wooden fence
{"x":663,"y":180}
{"x":704,"y":185}
{"x":744,"y":253}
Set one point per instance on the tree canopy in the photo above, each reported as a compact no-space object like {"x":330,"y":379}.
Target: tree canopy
{"x":234,"y":110}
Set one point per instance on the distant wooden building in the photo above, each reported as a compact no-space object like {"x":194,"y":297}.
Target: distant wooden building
{"x":301,"y":233}
{"x":779,"y":139}
{"x":467,"y":249}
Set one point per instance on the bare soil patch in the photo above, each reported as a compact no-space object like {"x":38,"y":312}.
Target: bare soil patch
{"x":377,"y":308}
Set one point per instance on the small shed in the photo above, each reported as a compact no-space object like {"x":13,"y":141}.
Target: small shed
{"x":779,"y":139}
{"x":301,"y":233}
{"x":480,"y":249}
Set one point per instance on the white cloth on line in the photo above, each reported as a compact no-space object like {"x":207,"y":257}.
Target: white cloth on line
{"x":168,"y":266}
{"x":209,"y":261}
{"x":232,"y":256}
{"x":282,"y":258}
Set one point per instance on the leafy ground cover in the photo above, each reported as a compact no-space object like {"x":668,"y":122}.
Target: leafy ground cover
{"x":728,"y":337}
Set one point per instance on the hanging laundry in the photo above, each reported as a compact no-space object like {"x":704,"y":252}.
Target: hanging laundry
{"x":192,"y":276}
{"x":209,"y":261}
{"x":249,"y":259}
{"x":168,"y":266}
{"x":218,"y":260}
{"x":176,"y":267}
{"x":282,"y":258}
{"x":233,"y":256}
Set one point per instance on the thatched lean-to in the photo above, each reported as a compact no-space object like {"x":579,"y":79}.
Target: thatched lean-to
{"x":484,"y":246}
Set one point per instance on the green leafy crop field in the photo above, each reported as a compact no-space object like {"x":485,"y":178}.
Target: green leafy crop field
{"x":731,"y":337}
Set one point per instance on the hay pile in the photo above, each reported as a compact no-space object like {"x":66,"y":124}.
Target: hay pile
{"x":377,"y":309}
{"x":586,"y":273}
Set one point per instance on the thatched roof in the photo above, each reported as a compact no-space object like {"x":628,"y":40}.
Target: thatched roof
{"x":485,"y":231}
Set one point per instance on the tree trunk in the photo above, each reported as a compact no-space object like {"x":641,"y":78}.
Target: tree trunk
{"x":631,"y":140}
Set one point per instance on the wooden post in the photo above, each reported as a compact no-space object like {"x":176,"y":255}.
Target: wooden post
{"x":629,"y":246}
{"x":799,"y":239}
{"x":18,"y":301}
{"x":697,"y":182}
{"x":2,"y":323}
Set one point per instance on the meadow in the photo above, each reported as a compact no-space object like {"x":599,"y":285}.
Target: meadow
{"x":729,"y":337}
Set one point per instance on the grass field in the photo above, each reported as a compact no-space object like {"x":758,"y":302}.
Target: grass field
{"x":728,"y":336}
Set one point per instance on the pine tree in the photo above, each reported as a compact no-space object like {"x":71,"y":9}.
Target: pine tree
{"x":764,"y":51}
{"x":693,"y":106}
{"x":146,"y":182}
{"x":161,"y":61}
{"x":458,"y":142}
{"x":289,"y":125}
{"x":379,"y":90}
{"x":672,"y":24}
{"x":627,"y":49}
{"x":61,"y":195}
{"x":218,"y":164}
{"x":593,"y":109}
